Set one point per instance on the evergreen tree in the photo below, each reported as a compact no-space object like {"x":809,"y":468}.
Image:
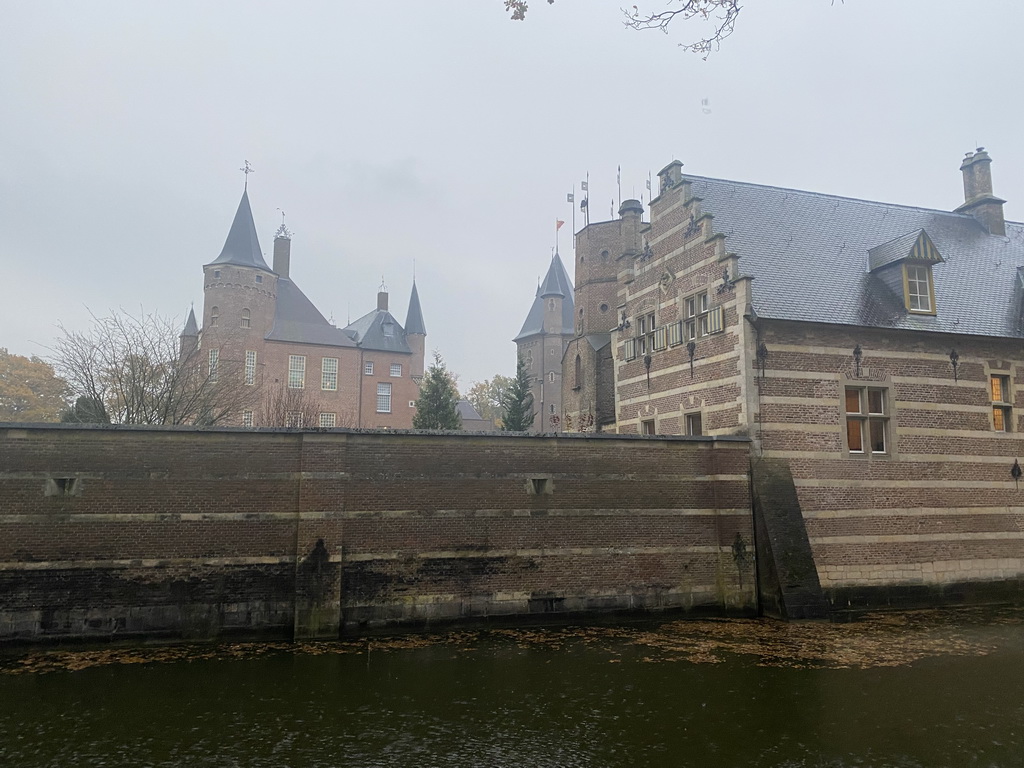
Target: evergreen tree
{"x":518,"y":402}
{"x":437,"y":407}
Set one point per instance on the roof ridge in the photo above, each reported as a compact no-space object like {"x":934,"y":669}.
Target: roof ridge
{"x":827,"y":195}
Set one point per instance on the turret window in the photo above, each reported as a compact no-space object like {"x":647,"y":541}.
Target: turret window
{"x":250,"y":367}
{"x":246,"y":319}
{"x":214,"y":315}
{"x":214,"y":361}
{"x":259,"y":278}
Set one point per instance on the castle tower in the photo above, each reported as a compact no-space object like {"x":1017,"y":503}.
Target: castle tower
{"x":541,"y":344}
{"x":415,"y":333}
{"x":239,"y":289}
{"x":188,"y":341}
{"x":588,"y":389}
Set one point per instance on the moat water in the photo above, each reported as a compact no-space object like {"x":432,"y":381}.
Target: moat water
{"x":914,"y":690}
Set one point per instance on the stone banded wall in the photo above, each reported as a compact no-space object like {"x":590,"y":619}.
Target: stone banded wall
{"x":199,"y":533}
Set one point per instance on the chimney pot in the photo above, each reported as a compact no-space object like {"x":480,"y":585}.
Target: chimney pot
{"x":382,"y":300}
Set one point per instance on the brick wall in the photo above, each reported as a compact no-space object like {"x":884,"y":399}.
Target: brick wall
{"x":181,"y":532}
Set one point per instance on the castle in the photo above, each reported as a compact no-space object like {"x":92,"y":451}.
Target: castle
{"x":872,"y":351}
{"x":258,"y":325}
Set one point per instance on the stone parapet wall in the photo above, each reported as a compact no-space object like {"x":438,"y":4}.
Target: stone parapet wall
{"x":146,"y":532}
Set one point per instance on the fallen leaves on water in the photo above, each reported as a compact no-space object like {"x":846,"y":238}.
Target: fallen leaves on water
{"x":875,"y":640}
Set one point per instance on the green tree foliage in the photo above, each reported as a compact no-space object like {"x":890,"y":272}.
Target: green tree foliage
{"x":518,"y":402}
{"x":29,"y":389}
{"x":488,"y":395}
{"x":437,"y":406}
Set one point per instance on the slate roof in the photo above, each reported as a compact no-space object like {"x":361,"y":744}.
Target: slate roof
{"x":556,"y":283}
{"x":242,"y":246}
{"x":371,"y":332}
{"x":467,"y":410}
{"x":191,"y":326}
{"x":809,"y":256}
{"x":414,"y":317}
{"x":297,"y":320}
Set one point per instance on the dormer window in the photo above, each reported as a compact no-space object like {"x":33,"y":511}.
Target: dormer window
{"x":918,"y":288}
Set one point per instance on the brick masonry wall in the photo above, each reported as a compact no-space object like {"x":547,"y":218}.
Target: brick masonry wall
{"x":198,"y":533}
{"x":939,"y":507}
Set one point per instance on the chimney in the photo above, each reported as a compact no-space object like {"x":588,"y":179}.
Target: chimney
{"x":282,"y":255}
{"x":631,"y":208}
{"x":382,"y":300}
{"x":978,"y":198}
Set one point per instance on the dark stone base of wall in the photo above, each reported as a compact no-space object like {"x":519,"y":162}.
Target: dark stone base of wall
{"x":848,"y":602}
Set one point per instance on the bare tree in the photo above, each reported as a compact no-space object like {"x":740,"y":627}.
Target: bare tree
{"x":290,"y":407}
{"x":136,"y":368}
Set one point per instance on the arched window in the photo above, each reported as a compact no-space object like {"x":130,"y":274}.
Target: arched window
{"x":579,"y":373}
{"x":246,"y":319}
{"x":214,"y":315}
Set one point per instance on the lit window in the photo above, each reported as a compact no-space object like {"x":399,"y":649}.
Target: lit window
{"x":867,"y":420}
{"x":329,"y":373}
{"x":296,"y":371}
{"x":368,"y":367}
{"x":1002,"y":403}
{"x":246,"y":319}
{"x":328,"y":420}
{"x":383,"y":398}
{"x":293,"y":419}
{"x":214,"y":361}
{"x":919,"y":289}
{"x":396,"y":369}
{"x":250,"y":367}
{"x":247,"y":418}
{"x":694,"y":424}
{"x":214,"y":315}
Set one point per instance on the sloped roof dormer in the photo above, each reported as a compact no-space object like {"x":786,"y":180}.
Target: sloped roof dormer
{"x":913,"y":246}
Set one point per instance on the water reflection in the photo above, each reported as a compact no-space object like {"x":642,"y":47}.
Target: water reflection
{"x":924,"y":690}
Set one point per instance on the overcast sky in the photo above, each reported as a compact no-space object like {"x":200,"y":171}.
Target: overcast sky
{"x":444,"y":133}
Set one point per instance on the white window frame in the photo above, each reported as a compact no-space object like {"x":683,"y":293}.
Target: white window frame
{"x":396,"y":370}
{"x":293,"y":419}
{"x":920,"y":290}
{"x":250,"y":367}
{"x":246,"y":319}
{"x":247,"y":419}
{"x":328,"y":420}
{"x":871,"y":420}
{"x":689,"y":420}
{"x":329,"y":374}
{"x":368,"y":368}
{"x":296,"y":372}
{"x":214,"y":364}
{"x":384,"y":397}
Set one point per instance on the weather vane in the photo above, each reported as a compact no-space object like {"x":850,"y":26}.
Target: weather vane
{"x":247,"y":169}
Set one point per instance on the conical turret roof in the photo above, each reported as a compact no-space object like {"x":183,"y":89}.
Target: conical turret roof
{"x":191,"y":327}
{"x":414,"y":317}
{"x":242,"y":247}
{"x":555,"y":285}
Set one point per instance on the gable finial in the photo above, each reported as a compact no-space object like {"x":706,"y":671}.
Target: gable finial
{"x":383,"y":287}
{"x":247,"y":169}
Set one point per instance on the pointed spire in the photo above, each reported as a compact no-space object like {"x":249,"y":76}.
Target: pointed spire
{"x":414,"y":317}
{"x":242,"y":246}
{"x":191,"y":327}
{"x":556,"y":282}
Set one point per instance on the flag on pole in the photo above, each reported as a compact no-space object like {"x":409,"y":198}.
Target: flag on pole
{"x":558,"y":224}
{"x":648,"y":182}
{"x":569,"y":198}
{"x":618,"y":175}
{"x":584,"y":186}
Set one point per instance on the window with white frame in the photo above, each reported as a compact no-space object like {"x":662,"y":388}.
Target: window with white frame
{"x":396,"y":369}
{"x":296,"y":371}
{"x":214,"y":363}
{"x":867,"y":420}
{"x":1002,"y":403}
{"x":700,"y":318}
{"x":214,"y":315}
{"x":293,"y":419}
{"x":328,"y":420}
{"x":694,"y":424}
{"x":329,"y":373}
{"x":250,"y":367}
{"x":368,"y":368}
{"x":643,"y":341}
{"x":247,"y":420}
{"x":383,"y":398}
{"x":920,"y":295}
{"x":246,"y":318}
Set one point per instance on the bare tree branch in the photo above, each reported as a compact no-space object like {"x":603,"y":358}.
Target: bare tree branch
{"x":721,"y":14}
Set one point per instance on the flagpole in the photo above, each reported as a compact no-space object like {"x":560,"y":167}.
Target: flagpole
{"x":618,"y":182}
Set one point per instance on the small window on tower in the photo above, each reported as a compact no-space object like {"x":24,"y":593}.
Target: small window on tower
{"x":246,"y":319}
{"x":216,"y":273}
{"x":259,"y":278}
{"x":214,"y":315}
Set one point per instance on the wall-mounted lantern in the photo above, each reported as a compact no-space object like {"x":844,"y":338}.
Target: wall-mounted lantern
{"x":1015,"y":473}
{"x":691,"y":350}
{"x":762,"y":357}
{"x":954,"y":360}
{"x":858,"y":354}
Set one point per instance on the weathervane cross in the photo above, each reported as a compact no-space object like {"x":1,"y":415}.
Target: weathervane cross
{"x":247,"y":169}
